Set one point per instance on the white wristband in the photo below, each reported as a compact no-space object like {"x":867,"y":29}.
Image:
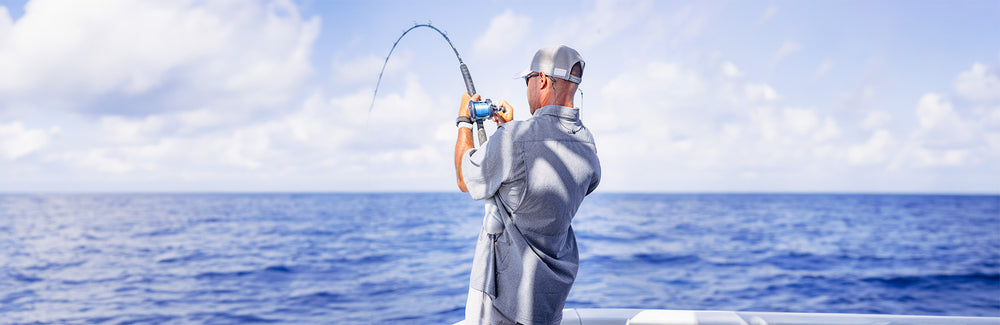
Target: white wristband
{"x":466,"y":125}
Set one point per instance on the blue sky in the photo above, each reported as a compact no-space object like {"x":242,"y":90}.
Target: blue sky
{"x":707,"y":96}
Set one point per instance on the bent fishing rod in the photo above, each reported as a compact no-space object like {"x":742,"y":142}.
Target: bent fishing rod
{"x":478,"y":111}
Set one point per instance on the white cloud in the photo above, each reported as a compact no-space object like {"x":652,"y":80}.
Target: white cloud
{"x":950,"y":135}
{"x":787,"y":48}
{"x":187,"y":53}
{"x":328,"y":142}
{"x":942,"y":127}
{"x":16,"y":140}
{"x":117,"y":129}
{"x":861,"y":97}
{"x":993,"y":120}
{"x":607,"y":19}
{"x":874,"y":151}
{"x":769,"y":13}
{"x":504,"y":33}
{"x":922,"y":157}
{"x":800,"y":121}
{"x":760,"y":92}
{"x":170,"y":91}
{"x":876,"y":119}
{"x":945,"y":137}
{"x":668,"y":80}
{"x":979,"y":83}
{"x":730,"y":70}
{"x":829,"y":131}
{"x":706,"y":123}
{"x":6,"y":24}
{"x":933,"y":110}
{"x":823,"y":69}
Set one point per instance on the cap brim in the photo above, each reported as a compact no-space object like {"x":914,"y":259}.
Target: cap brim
{"x":522,"y":74}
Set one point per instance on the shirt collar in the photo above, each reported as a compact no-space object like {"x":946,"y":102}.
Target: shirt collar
{"x":570,"y":113}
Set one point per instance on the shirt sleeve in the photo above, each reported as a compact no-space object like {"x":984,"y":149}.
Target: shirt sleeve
{"x":485,"y":168}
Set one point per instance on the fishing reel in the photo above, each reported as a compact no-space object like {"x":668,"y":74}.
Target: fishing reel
{"x":485,"y":109}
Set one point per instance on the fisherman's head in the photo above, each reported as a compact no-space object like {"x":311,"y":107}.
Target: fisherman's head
{"x":553,"y":77}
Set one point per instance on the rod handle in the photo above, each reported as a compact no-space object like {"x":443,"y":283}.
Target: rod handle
{"x":482,"y":132}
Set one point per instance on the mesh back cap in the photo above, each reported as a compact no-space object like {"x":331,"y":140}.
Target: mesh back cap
{"x":556,"y":61}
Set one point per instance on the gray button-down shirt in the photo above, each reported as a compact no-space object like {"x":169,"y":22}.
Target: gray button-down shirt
{"x":533,"y":175}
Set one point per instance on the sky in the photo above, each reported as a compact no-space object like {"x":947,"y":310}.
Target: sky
{"x":699,"y":96}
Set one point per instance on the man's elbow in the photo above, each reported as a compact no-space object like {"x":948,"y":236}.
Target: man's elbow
{"x":461,"y":183}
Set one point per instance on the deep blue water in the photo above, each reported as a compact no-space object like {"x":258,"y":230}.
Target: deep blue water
{"x":405,"y":258}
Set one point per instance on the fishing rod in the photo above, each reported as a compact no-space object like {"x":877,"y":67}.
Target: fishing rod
{"x":479,"y":111}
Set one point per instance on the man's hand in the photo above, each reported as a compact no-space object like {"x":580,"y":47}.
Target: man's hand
{"x":506,"y":116}
{"x":463,"y":109}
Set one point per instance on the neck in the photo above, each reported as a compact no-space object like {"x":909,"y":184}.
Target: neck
{"x":567,"y":102}
{"x":564,"y":95}
{"x":561,"y":99}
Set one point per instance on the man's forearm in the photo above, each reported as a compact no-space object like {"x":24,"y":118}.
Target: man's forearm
{"x":463,"y":144}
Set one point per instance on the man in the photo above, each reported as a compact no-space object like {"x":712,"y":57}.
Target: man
{"x":533,"y":176}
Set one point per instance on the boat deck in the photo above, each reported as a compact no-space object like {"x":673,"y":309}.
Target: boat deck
{"x":601,"y":316}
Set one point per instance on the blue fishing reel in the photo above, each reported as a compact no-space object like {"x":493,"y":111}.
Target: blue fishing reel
{"x":482,"y":110}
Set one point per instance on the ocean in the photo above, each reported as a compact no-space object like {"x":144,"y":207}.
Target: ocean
{"x":405,"y":257}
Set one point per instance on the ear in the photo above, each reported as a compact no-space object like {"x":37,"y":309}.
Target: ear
{"x":543,"y":80}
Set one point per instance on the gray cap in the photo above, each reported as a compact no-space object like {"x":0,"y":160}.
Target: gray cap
{"x":556,"y":61}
